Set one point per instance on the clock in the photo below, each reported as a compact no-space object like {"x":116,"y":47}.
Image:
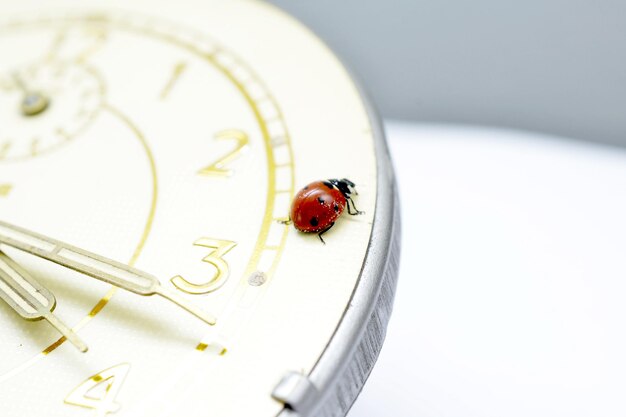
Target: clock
{"x":149,"y":156}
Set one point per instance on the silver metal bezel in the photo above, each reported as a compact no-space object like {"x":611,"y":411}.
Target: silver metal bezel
{"x":369,"y":309}
{"x":344,"y":366}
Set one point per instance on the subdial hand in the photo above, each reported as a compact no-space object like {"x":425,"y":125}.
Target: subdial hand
{"x":96,"y":266}
{"x":33,"y":102}
{"x":30,"y":299}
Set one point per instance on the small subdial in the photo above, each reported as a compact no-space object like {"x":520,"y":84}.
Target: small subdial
{"x":44,"y":106}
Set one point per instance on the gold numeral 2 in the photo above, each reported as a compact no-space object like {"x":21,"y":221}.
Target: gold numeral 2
{"x":218,"y":168}
{"x":220,"y":248}
{"x":99,"y":391}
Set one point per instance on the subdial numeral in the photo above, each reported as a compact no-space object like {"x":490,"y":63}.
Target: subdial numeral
{"x":78,"y":43}
{"x":6,"y":85}
{"x":5,"y":189}
{"x":4,"y":149}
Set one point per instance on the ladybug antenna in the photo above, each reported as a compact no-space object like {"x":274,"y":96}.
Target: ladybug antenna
{"x":350,"y":185}
{"x":348,"y":182}
{"x":344,"y":185}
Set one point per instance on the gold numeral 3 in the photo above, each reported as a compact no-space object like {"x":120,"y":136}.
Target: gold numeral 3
{"x":218,"y":168}
{"x":220,"y":248}
{"x":99,"y":391}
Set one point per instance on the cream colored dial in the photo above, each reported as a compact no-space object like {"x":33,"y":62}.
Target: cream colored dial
{"x":44,"y":105}
{"x":190,"y":133}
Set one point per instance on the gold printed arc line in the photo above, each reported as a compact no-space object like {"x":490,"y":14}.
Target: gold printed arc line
{"x":271,"y":172}
{"x":153,"y":173}
{"x":211,"y":57}
{"x":259,"y":248}
{"x":146,"y":230}
{"x":125,"y":22}
{"x":203,"y":346}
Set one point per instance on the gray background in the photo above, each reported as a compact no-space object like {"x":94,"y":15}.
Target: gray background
{"x":556,"y":66}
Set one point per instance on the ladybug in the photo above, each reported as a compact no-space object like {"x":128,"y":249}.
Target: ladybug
{"x":316,"y":207}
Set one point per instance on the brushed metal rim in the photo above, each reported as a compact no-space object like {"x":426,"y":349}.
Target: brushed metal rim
{"x":380,"y":265}
{"x":364,"y":322}
{"x":380,"y":269}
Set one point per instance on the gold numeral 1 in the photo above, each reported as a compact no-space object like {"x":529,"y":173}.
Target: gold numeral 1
{"x":100,"y":390}
{"x":176,"y":73}
{"x":220,"y":248}
{"x":218,"y":168}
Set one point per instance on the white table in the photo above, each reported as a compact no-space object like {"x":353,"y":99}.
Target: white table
{"x":512,"y":292}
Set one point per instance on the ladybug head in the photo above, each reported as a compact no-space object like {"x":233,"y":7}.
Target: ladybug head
{"x":344,"y":185}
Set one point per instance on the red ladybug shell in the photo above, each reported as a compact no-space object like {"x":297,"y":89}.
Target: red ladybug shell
{"x":316,"y":207}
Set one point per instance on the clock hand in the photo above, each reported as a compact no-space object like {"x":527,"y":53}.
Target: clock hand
{"x":30,"y":299}
{"x":33,"y":102}
{"x":96,"y":266}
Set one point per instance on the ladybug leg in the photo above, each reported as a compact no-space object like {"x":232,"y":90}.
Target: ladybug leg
{"x":287,"y":222}
{"x":350,"y":212}
{"x":324,"y":231}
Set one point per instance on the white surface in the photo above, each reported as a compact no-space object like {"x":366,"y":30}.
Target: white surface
{"x":511,"y":300}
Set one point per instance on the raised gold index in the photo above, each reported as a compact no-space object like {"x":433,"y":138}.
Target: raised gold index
{"x":30,"y":299}
{"x":93,"y":265}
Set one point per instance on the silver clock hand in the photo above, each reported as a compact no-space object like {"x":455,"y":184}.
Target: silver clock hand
{"x":96,"y":266}
{"x":30,"y":299}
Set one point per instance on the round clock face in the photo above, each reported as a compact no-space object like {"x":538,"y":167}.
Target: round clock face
{"x":172,"y":139}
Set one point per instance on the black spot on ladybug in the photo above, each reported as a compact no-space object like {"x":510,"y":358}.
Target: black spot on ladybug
{"x":314,"y":222}
{"x":320,"y":200}
{"x":329,"y":184}
{"x":306,"y":188}
{"x":336,"y":207}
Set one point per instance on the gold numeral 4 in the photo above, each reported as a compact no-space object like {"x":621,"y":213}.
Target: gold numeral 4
{"x":220,"y":248}
{"x":100,"y":390}
{"x":218,"y":168}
